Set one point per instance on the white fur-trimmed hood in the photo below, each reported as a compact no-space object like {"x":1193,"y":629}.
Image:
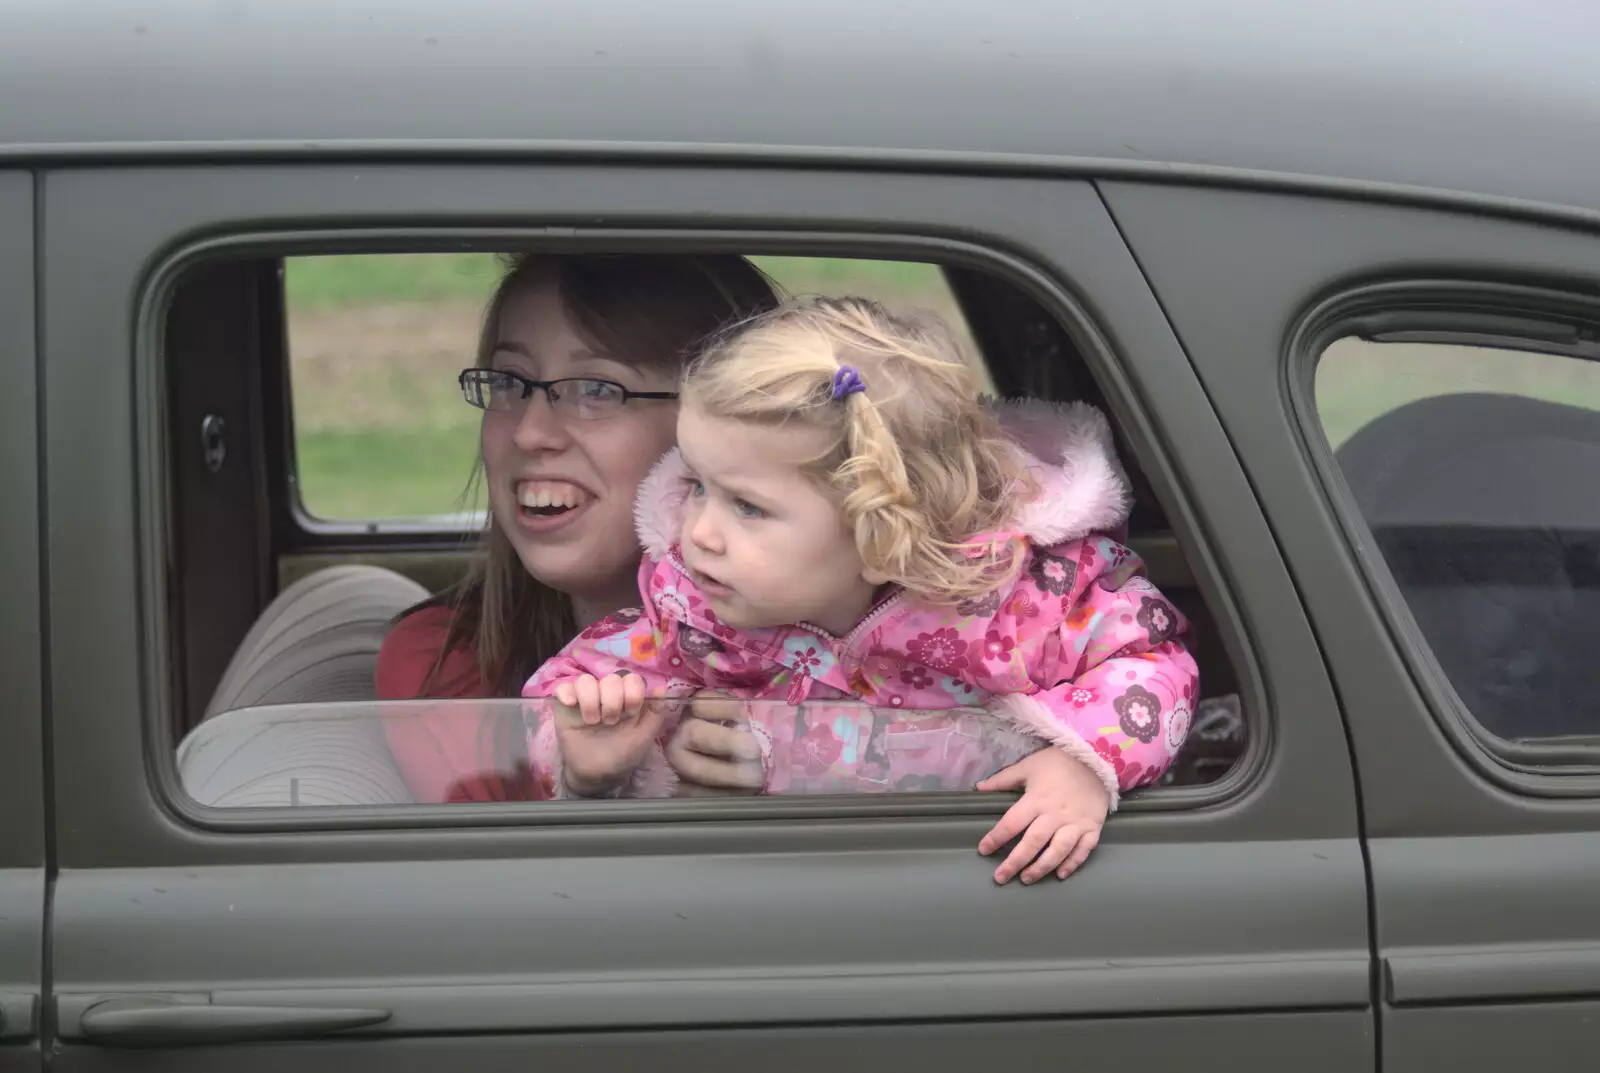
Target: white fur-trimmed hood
{"x":1082,"y":488}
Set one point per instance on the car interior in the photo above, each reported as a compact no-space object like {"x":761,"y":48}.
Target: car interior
{"x":1498,"y":573}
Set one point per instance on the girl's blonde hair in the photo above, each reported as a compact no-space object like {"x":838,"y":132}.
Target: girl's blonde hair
{"x":917,"y":462}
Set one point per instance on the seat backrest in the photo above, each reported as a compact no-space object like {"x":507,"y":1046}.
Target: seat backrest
{"x":1486,"y":508}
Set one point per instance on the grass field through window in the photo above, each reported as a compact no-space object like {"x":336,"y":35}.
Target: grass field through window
{"x":375,"y":342}
{"x":381,"y":432}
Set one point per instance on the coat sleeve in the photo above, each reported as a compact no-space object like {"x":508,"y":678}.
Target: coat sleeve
{"x":627,"y":642}
{"x":845,"y":746}
{"x":1110,"y":681}
{"x":636,"y":641}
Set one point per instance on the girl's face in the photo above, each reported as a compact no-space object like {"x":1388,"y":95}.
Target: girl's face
{"x":561,"y":487}
{"x":765,"y":545}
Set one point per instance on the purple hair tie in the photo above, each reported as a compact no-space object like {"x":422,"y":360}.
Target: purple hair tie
{"x":846,"y":382}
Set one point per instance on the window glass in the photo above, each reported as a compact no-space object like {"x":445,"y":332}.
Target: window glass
{"x":375,"y":342}
{"x":367,"y":753}
{"x":253,"y":757}
{"x":1478,"y":473}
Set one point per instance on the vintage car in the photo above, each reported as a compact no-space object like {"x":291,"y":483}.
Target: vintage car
{"x":1333,"y":272}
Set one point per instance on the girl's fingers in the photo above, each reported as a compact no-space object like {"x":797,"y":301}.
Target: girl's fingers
{"x":1086,"y":846}
{"x":633,"y":694}
{"x":709,"y":771}
{"x":1037,"y":836}
{"x":717,"y":707}
{"x":1014,"y":777}
{"x":1064,"y":842}
{"x":611,"y":699}
{"x":1012,"y":824}
{"x":715,"y":739}
{"x":567,"y":695}
{"x":713,"y":755}
{"x":588,"y":695}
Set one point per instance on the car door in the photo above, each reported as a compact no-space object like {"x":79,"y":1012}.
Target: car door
{"x":22,"y":803}
{"x":1443,"y":529}
{"x":852,"y":933}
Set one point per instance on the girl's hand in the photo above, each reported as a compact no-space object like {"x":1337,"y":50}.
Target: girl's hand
{"x":1062,"y":809}
{"x":714,"y":752}
{"x":605,"y":730}
{"x":606,"y":700}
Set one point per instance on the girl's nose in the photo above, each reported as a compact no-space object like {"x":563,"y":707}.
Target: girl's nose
{"x":703,"y":532}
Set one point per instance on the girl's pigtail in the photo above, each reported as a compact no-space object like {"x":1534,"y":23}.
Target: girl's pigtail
{"x":880,"y":501}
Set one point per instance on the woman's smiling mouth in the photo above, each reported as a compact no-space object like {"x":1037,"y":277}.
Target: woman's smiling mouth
{"x":543,"y":506}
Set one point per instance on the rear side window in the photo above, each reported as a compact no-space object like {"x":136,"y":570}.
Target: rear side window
{"x":369,"y":338}
{"x":1477,"y":470}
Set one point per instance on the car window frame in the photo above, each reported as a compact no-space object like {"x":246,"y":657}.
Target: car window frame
{"x":23,"y":789}
{"x":155,"y":298}
{"x":27,"y":850}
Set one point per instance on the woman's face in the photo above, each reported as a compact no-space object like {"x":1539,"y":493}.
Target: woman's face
{"x":562,"y":488}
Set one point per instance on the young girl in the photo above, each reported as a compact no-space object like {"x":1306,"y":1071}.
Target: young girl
{"x":843,"y":518}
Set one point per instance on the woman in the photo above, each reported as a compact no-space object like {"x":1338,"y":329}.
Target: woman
{"x":562,"y":465}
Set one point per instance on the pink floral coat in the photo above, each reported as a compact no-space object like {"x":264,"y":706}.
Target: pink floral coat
{"x":1080,"y":651}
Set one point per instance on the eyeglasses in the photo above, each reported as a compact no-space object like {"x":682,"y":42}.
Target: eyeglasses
{"x":581,"y":397}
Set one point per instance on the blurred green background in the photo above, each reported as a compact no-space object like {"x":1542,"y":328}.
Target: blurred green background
{"x":375,"y":342}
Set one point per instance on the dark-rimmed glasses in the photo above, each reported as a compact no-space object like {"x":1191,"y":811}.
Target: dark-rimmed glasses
{"x":583,"y":397}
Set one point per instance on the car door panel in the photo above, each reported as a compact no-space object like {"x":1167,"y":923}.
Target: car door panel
{"x":602,"y":958}
{"x":1552,"y":1037}
{"x":1314,"y":1043}
{"x":1531,"y":946}
{"x":22,"y":897}
{"x":1484,"y":886}
{"x":22,"y":847}
{"x":721,"y":918}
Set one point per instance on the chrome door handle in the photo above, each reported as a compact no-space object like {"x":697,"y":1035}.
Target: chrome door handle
{"x":160,"y":1022}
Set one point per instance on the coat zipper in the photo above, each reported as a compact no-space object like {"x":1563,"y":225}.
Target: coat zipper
{"x":801,"y":687}
{"x":843,"y":643}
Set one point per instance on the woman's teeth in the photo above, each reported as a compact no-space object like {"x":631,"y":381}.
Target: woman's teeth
{"x":550,"y":496}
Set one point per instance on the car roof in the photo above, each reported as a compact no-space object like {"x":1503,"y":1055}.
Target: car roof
{"x":1489,"y":98}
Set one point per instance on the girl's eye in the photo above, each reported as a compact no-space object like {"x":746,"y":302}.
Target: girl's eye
{"x":696,"y":488}
{"x":749,"y":510}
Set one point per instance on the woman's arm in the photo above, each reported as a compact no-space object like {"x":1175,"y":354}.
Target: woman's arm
{"x":452,"y":753}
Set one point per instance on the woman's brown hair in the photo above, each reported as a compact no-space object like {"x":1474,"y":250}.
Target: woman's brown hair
{"x":650,"y":310}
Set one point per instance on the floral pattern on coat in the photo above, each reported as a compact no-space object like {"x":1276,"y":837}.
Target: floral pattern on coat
{"x":1079,"y":651}
{"x":1085,"y":655}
